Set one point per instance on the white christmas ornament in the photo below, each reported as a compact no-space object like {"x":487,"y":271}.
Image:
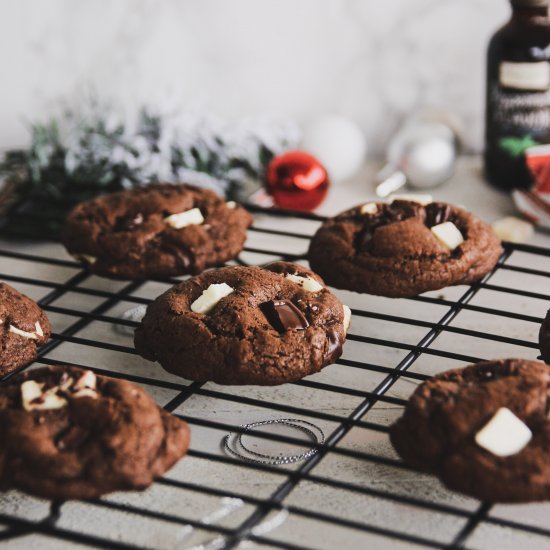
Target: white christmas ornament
{"x":338,"y":143}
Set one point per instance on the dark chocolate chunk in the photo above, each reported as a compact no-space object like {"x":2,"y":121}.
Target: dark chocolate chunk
{"x":283,"y":315}
{"x":181,"y":256}
{"x":334,"y":349}
{"x":128,"y":223}
{"x":392,"y":213}
{"x":436,"y":213}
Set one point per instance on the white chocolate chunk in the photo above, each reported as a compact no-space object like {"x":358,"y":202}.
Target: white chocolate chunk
{"x":34,"y":398}
{"x":513,"y":229}
{"x":421,"y":199}
{"x":231,"y":204}
{"x":86,"y":392}
{"x":369,"y":208}
{"x":504,"y":435}
{"x":30,"y":390}
{"x":183,"y":219}
{"x":210,"y":297}
{"x":347,"y":318}
{"x":39,"y":333}
{"x":448,"y":234}
{"x":24,"y":333}
{"x":50,"y":400}
{"x":307,"y":283}
{"x":86,"y":258}
{"x":86,"y":381}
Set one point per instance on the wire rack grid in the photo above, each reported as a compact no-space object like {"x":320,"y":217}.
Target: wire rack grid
{"x":354,"y":491}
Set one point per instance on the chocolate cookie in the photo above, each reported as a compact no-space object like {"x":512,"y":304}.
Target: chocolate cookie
{"x":24,"y":328}
{"x":66,"y":433}
{"x":403,"y":249}
{"x":155,"y":231}
{"x":544,"y":339}
{"x":483,"y":430}
{"x":245,"y":325}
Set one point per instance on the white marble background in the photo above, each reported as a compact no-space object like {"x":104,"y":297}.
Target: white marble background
{"x":371,"y":60}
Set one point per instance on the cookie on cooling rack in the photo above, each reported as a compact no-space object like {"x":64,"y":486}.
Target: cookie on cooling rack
{"x":245,"y":325}
{"x":544,"y":339}
{"x":24,"y":327}
{"x":483,"y":430}
{"x":403,"y":248}
{"x":68,"y":434}
{"x":155,"y":231}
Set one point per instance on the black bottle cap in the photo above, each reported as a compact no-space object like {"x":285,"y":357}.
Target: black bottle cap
{"x":530,"y":3}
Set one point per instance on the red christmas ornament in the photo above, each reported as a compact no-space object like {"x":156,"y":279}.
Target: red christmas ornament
{"x":297,"y":181}
{"x":538,"y":162}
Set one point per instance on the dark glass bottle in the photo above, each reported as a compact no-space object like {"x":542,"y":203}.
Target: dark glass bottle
{"x":518,"y":94}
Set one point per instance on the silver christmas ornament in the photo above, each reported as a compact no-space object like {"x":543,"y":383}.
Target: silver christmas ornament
{"x":422,"y":154}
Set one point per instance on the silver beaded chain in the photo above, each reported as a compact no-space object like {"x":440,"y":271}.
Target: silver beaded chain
{"x":234,"y":445}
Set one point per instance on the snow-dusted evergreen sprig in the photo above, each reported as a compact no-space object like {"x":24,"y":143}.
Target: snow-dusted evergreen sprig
{"x":92,"y":150}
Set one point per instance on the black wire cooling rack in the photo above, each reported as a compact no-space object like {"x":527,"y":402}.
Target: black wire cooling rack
{"x":354,"y":492}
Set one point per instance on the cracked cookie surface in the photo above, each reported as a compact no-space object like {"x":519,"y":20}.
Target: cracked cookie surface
{"x":390,"y":249}
{"x":155,"y":231}
{"x":437,"y":433}
{"x":66,"y":433}
{"x":24,"y":327}
{"x":544,"y":338}
{"x":266,"y":325}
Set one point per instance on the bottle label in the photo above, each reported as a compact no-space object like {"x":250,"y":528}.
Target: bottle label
{"x":525,"y":76}
{"x":521,"y":113}
{"x":518,"y":123}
